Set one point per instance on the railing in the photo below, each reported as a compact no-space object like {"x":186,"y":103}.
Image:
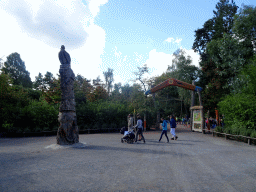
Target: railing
{"x":102,"y":130}
{"x":228,"y":136}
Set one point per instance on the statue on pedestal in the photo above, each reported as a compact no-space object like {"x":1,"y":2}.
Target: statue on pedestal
{"x":68,"y":132}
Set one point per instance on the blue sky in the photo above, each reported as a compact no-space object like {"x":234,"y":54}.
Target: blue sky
{"x":102,"y":34}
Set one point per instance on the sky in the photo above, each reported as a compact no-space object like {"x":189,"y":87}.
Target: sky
{"x":101,"y":34}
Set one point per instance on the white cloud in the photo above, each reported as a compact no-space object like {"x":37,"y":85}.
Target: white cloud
{"x":194,"y":56}
{"x":89,"y":56}
{"x":118,"y":60}
{"x":118,"y":54}
{"x":95,"y":6}
{"x":138,"y":58}
{"x":37,"y":29}
{"x":54,"y":22}
{"x":118,"y":79}
{"x":169,"y":39}
{"x":125,"y":58}
{"x":158,"y":61}
{"x":172,"y":40}
{"x":178,"y":40}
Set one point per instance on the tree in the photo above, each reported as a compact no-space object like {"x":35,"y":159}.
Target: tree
{"x":96,"y":82}
{"x":126,"y":91}
{"x":116,"y":94}
{"x":239,"y":107}
{"x":16,"y":69}
{"x":246,"y":79}
{"x":109,"y":79}
{"x":182,"y":67}
{"x":12,"y":100}
{"x":214,"y":30}
{"x":230,"y":57}
{"x":48,"y":80}
{"x":98,"y":94}
{"x":140,"y":73}
{"x":183,"y":70}
{"x":224,"y":18}
{"x":245,"y":25}
{"x":82,"y":89}
{"x":1,"y":64}
{"x":53,"y":93}
{"x":203,"y":36}
{"x":38,"y":84}
{"x":222,"y":22}
{"x":117,"y":87}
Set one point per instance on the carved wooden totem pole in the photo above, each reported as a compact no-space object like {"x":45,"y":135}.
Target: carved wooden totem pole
{"x":68,"y":132}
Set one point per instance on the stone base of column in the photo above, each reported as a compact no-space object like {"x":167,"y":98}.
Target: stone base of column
{"x":68,"y":132}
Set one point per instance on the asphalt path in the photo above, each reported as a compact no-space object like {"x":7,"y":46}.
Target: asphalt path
{"x":100,"y":162}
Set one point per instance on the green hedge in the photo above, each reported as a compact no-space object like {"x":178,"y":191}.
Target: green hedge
{"x":101,"y":115}
{"x":239,"y":114}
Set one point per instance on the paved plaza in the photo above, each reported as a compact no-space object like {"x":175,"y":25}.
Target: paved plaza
{"x":100,"y":162}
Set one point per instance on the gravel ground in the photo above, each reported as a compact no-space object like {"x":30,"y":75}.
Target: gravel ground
{"x":100,"y":162}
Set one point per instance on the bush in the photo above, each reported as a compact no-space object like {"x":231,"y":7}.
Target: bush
{"x":219,"y":129}
{"x":253,"y":134}
{"x":96,"y":126}
{"x":104,"y":126}
{"x":228,"y":130}
{"x":26,"y":130}
{"x":39,"y":115}
{"x":243,"y":132}
{"x":235,"y":131}
{"x":12,"y":100}
{"x":249,"y":132}
{"x":240,"y":113}
{"x":240,"y":108}
{"x":113,"y":125}
{"x":103,"y":114}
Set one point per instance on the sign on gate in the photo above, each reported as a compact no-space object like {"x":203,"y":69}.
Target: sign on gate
{"x":197,"y":123}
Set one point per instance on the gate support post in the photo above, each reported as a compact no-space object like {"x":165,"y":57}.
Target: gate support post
{"x":202,"y":110}
{"x":192,"y":104}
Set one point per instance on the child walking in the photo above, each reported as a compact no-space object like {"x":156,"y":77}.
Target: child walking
{"x":164,"y":125}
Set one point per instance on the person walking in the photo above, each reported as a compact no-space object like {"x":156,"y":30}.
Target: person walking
{"x":164,"y":127}
{"x":130,"y":123}
{"x":173,"y":126}
{"x":142,"y":127}
{"x":208,"y":124}
{"x":139,"y":129}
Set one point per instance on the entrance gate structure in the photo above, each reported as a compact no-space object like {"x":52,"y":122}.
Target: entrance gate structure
{"x":196,"y":115}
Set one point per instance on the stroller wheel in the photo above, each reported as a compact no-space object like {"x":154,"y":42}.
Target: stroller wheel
{"x":122,"y":140}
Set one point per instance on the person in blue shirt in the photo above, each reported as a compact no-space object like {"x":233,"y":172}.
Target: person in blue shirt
{"x":164,"y":126}
{"x":173,"y":126}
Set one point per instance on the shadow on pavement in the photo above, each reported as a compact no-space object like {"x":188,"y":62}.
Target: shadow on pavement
{"x":141,"y":151}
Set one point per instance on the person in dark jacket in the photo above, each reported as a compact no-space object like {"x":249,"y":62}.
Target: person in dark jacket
{"x":173,"y":126}
{"x":164,"y":126}
{"x":139,"y":129}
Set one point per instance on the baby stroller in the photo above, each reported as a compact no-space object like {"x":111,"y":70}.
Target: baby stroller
{"x":123,"y":129}
{"x":128,"y":137}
